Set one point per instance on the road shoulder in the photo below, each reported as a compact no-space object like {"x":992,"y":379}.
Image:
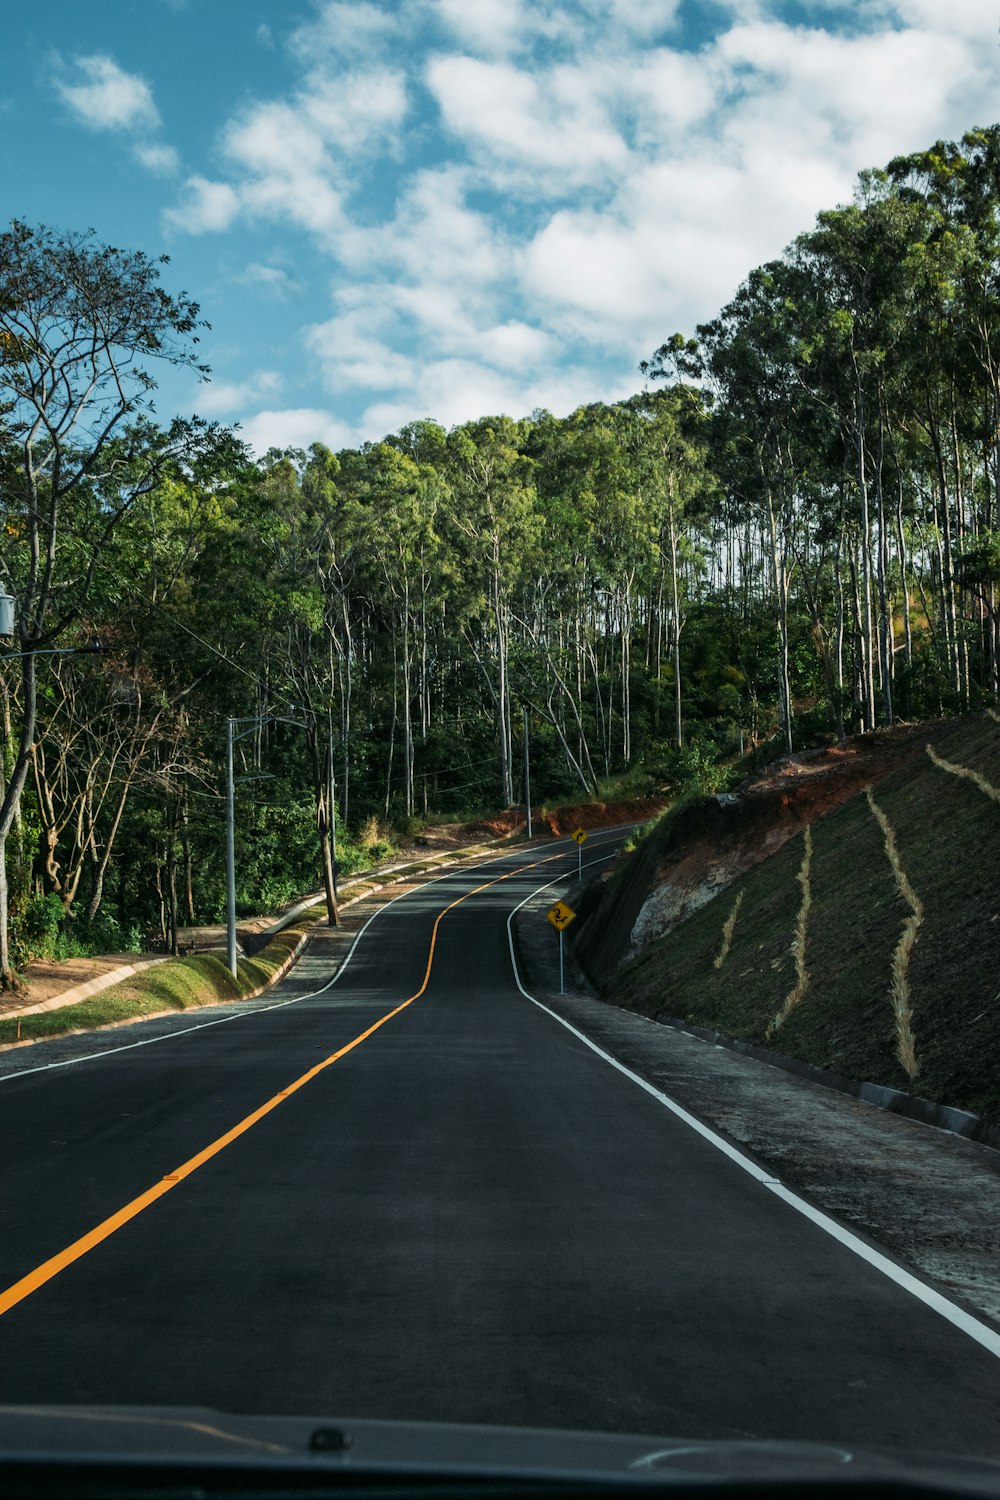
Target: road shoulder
{"x":928,"y":1197}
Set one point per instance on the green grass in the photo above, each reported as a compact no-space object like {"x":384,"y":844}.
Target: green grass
{"x":179,"y":984}
{"x":636,"y":782}
{"x":948,"y":834}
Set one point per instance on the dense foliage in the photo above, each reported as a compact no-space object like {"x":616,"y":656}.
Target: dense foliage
{"x":791,"y":532}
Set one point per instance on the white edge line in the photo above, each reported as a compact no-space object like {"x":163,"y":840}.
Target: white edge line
{"x":242,"y":1015}
{"x":965,"y":1322}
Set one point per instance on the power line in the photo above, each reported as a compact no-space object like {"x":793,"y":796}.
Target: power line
{"x":174,"y":620}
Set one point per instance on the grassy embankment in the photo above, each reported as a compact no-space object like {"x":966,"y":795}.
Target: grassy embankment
{"x":179,"y":984}
{"x":829,"y":960}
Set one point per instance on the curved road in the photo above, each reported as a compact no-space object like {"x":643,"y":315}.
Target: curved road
{"x":412,"y":1193}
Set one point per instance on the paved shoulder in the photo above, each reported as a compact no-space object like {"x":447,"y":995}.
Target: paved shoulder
{"x":929,"y":1197}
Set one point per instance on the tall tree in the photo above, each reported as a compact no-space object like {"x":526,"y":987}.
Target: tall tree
{"x":80,"y":322}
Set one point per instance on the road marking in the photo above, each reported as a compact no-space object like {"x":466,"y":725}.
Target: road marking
{"x":55,"y":1264}
{"x":243,"y":1015}
{"x":987,"y":1337}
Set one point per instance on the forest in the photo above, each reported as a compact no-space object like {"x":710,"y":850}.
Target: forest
{"x":788,"y":534}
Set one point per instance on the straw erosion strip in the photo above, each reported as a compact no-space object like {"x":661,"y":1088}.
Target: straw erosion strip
{"x":728,"y":928}
{"x":901,"y":998}
{"x":798,"y":947}
{"x":991,"y":791}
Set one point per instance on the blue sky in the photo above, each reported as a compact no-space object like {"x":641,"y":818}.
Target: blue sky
{"x":450,"y":208}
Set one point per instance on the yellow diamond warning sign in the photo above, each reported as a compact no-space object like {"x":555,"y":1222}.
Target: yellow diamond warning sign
{"x":580,"y":835}
{"x":561,"y":915}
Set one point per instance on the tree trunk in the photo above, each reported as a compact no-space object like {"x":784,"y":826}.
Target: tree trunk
{"x":11,"y":805}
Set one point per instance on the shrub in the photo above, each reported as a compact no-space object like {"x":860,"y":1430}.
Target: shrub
{"x":36,"y":933}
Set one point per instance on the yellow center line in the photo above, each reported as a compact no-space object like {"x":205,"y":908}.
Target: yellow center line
{"x":103,"y":1231}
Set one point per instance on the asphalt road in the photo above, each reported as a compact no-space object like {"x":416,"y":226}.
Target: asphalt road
{"x":469,"y":1215}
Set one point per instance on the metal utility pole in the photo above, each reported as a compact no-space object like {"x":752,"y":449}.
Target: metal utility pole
{"x":333,"y":810}
{"x":230,"y":854}
{"x":527,"y":776}
{"x":331,"y":821}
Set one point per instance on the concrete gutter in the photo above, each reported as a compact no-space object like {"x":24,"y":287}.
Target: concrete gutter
{"x":896,"y":1101}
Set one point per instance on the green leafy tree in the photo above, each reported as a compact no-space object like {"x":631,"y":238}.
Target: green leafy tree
{"x":80,"y":324}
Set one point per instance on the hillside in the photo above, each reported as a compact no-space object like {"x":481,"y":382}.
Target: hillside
{"x":796,"y":869}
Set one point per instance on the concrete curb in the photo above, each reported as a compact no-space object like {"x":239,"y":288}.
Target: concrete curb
{"x":87,"y":988}
{"x":280,"y":971}
{"x":895,"y":1101}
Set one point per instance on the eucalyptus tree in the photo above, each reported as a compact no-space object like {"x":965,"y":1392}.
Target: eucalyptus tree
{"x":667,"y":442}
{"x":578,"y":602}
{"x":80,"y":325}
{"x":301,"y":682}
{"x":856,"y":260}
{"x":403,"y":570}
{"x":749,"y":357}
{"x":497,"y":526}
{"x":957,"y":186}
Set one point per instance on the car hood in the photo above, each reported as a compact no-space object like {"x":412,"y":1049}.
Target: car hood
{"x":184,"y":1439}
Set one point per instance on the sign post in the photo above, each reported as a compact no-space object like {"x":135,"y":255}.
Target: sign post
{"x":580,"y":837}
{"x":561,"y":915}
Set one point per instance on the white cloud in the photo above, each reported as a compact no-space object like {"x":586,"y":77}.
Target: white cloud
{"x":219,"y":397}
{"x":966,"y":18}
{"x":285,"y":166}
{"x":291,"y":157}
{"x":556,"y":121}
{"x":779,"y":120}
{"x":343,"y":29}
{"x":516,"y":346}
{"x":163,"y":160}
{"x":664,"y":90}
{"x":493,"y":27}
{"x":206,"y":207}
{"x":108,"y":98}
{"x":273,"y":279}
{"x":436,"y":240}
{"x":639,"y":18}
{"x":868,"y":91}
{"x":297,"y":427}
{"x":500,"y":187}
{"x":356,"y":112}
{"x":496,"y":28}
{"x":352,"y":355}
{"x":454,"y":391}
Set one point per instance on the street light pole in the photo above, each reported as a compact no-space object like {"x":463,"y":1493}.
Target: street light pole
{"x":332,"y":803}
{"x":527,"y":775}
{"x":93,"y":649}
{"x":230,"y":854}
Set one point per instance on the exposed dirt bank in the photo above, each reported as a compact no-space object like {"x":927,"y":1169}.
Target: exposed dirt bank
{"x":714,"y":840}
{"x":555,"y":823}
{"x":805,"y":952}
